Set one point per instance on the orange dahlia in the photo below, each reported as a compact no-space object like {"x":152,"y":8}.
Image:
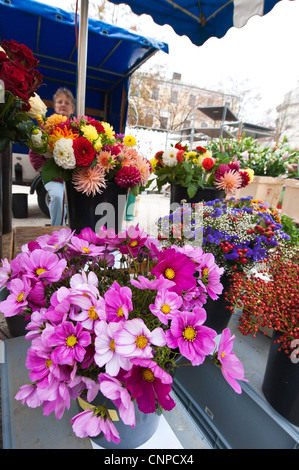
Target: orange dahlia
{"x":58,"y":133}
{"x":53,"y":121}
{"x":89,"y":180}
{"x":230,"y":181}
{"x":105,"y":160}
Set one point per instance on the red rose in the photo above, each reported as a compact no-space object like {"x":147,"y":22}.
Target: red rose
{"x":20,"y":53}
{"x":179,"y":155}
{"x":201,"y":149}
{"x":14,"y":78}
{"x":158,"y":155}
{"x":84,"y":152}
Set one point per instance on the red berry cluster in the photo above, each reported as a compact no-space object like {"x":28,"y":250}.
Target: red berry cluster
{"x":271,"y":302}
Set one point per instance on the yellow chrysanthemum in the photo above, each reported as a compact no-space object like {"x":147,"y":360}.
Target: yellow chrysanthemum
{"x":250,"y":173}
{"x":108,"y":129}
{"x":129,"y":140}
{"x":89,"y":132}
{"x":190,"y":155}
{"x":53,"y":121}
{"x":153,"y":162}
{"x":97,"y":145}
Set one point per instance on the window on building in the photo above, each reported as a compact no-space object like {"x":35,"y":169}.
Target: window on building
{"x":192,"y":100}
{"x":155,"y":94}
{"x":163,"y":122}
{"x":174,"y":96}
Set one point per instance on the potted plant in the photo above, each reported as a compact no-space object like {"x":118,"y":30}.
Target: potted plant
{"x":98,"y":332}
{"x":98,"y":166}
{"x":215,"y":172}
{"x":270,"y":298}
{"x":238,"y":233}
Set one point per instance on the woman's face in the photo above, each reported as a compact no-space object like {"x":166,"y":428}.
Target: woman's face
{"x":63,"y":105}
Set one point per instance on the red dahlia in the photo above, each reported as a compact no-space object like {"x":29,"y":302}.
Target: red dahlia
{"x":127,"y":177}
{"x":84,"y":152}
{"x":208,"y":163}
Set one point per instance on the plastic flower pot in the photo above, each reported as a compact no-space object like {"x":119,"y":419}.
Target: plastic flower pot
{"x":104,"y":209}
{"x":218,"y":316}
{"x":179,"y":193}
{"x":281,"y":382}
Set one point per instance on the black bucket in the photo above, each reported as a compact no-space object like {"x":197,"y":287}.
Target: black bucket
{"x":179,"y":193}
{"x":20,"y":205}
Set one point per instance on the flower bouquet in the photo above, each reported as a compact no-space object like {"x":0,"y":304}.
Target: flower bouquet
{"x":88,"y":153}
{"x":240,"y":233}
{"x":19,"y":79}
{"x":199,"y":168}
{"x":97,"y":326}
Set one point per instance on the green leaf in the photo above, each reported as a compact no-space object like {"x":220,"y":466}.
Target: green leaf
{"x":191,"y":190}
{"x":135,"y":190}
{"x":50,"y":171}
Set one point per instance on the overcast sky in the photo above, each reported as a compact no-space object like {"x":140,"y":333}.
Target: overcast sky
{"x":263,"y":54}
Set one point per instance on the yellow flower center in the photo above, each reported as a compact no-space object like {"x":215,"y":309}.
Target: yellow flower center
{"x":134,"y":243}
{"x":189,"y":333}
{"x":169,"y":273}
{"x":48,"y":363}
{"x":120,"y":312}
{"x":112,"y":345}
{"x":148,"y":375}
{"x":223,"y":354}
{"x":40,"y":271}
{"x":165,"y":309}
{"x":205,"y":271}
{"x":85,"y":249}
{"x":71,"y":341}
{"x":92,"y":313}
{"x":141,"y":341}
{"x":20,"y":296}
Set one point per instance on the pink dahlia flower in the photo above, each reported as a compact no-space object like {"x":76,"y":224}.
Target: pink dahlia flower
{"x":91,"y":424}
{"x":194,"y":340}
{"x":119,"y":395}
{"x":69,"y":341}
{"x":127,"y":177}
{"x":147,"y":382}
{"x":135,"y":339}
{"x":176,"y":267}
{"x":231,"y":367}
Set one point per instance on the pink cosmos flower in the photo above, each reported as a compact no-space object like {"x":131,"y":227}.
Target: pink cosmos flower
{"x":135,"y":339}
{"x":231,"y":367}
{"x":195,"y":297}
{"x":37,"y":323}
{"x":70,"y":342}
{"x":44,"y":265}
{"x":28,"y":394}
{"x":209,"y":276}
{"x":118,"y":302}
{"x":131,"y":240}
{"x":56,"y":241}
{"x":84,"y":247}
{"x":89,"y":423}
{"x":92,"y":309}
{"x":85,"y":282}
{"x":176,"y":267}
{"x":105,"y":354}
{"x":80,"y":383}
{"x":56,"y":397}
{"x":166,"y":306}
{"x":119,"y":395}
{"x":5,"y":271}
{"x":16,"y":301}
{"x":194,"y":340}
{"x":143,"y":282}
{"x":147,"y":382}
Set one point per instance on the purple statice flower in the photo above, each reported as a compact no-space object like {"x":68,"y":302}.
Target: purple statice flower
{"x":43,"y":266}
{"x":16,"y":302}
{"x":147,"y":382}
{"x":90,"y":423}
{"x":105,"y":354}
{"x":118,"y":301}
{"x":166,"y":306}
{"x":113,"y":389}
{"x":231,"y":367}
{"x":188,"y":333}
{"x":134,"y":339}
{"x":69,"y":341}
{"x":176,"y":267}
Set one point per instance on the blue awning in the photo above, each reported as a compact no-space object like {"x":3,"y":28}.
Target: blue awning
{"x":200,"y":19}
{"x":113,"y":54}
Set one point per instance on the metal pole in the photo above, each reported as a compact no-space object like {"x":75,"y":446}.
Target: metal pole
{"x":82,"y":57}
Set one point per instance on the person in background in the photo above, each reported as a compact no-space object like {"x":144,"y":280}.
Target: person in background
{"x":64,"y":103}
